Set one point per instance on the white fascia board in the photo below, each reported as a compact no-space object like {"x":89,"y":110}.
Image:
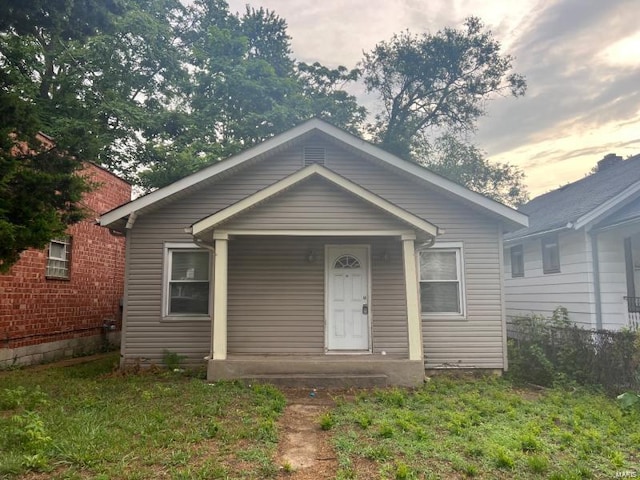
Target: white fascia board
{"x":497,"y":208}
{"x":315,"y":169}
{"x":603,"y":209}
{"x":205,"y":173}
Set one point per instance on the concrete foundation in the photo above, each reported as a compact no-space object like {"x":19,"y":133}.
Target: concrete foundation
{"x":51,"y":351}
{"x":322,"y":370}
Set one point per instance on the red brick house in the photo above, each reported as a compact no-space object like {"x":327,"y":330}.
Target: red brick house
{"x":65,"y":300}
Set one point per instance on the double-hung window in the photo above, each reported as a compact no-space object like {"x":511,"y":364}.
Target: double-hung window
{"x":517,"y":261}
{"x":550,"y":254}
{"x":58,"y":258}
{"x":441,"y":282}
{"x":187,"y":280}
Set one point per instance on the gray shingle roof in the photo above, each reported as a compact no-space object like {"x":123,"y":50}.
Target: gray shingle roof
{"x":625,"y":214}
{"x":553,"y":210}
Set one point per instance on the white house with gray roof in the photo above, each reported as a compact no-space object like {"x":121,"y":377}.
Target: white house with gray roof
{"x":315,"y":254}
{"x":581,"y":250}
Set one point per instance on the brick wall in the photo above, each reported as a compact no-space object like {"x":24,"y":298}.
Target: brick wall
{"x":35,"y":309}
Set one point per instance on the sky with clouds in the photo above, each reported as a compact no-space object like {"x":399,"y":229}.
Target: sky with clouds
{"x":581,"y":59}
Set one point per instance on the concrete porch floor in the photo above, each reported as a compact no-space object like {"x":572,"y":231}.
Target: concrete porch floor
{"x":320,"y":370}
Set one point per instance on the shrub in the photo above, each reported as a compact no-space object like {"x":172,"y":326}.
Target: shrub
{"x":552,"y":350}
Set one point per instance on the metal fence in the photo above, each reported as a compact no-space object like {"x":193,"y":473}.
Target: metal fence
{"x":542,"y":352}
{"x":633,"y":312}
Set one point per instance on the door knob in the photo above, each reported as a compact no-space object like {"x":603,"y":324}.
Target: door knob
{"x":365,"y":309}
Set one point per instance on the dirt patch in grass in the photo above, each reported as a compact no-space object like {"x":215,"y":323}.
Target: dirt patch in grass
{"x":305,"y":451}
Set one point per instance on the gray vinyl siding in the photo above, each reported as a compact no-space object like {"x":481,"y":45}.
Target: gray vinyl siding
{"x":146,"y":333}
{"x":315,"y":204}
{"x":542,"y":293}
{"x":475,"y":341}
{"x":277,"y":302}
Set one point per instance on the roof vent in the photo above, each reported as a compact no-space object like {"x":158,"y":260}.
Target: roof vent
{"x":609,"y":161}
{"x":313,"y":155}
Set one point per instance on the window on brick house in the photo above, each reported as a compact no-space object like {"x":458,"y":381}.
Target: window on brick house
{"x":58,"y":258}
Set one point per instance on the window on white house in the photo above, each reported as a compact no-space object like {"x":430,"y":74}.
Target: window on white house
{"x":441,"y":281}
{"x":517,"y":261}
{"x":58,"y":258}
{"x":187,"y":281}
{"x":550,"y":254}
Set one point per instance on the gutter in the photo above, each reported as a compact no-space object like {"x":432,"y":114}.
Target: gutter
{"x":568,"y":226}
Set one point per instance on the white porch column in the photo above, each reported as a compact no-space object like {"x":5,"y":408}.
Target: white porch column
{"x":414,"y":321}
{"x":219,"y":327}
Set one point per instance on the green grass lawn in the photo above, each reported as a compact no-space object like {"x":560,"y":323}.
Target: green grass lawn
{"x":484,"y":428}
{"x":84,"y":422}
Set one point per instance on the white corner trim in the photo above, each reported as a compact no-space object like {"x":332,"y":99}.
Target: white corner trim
{"x":355,"y":142}
{"x":315,"y":169}
{"x":603,"y":209}
{"x":219,"y":326}
{"x":412,"y":286}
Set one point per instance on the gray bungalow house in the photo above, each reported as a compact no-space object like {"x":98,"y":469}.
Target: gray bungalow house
{"x":315,"y":253}
{"x":581,"y":250}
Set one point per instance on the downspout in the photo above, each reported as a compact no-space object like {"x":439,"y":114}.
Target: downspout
{"x":596,"y":278}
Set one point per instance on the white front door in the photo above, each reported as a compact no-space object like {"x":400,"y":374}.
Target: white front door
{"x":348,"y":298}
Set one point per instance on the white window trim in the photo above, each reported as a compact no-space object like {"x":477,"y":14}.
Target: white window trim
{"x":550,"y":240}
{"x":66,"y":259}
{"x":516,"y":275}
{"x":166,"y":275}
{"x":458,"y":247}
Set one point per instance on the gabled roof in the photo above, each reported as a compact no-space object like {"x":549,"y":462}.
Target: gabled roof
{"x":584,"y":202}
{"x":237,"y":208}
{"x":510,"y":217}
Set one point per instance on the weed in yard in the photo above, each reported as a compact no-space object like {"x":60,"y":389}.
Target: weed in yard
{"x":267,"y":431}
{"x":475,"y":450}
{"x":464,"y":467}
{"x":346,"y":474}
{"x":377,"y":453}
{"x":172,"y":360}
{"x":385,"y":430}
{"x":538,"y":464}
{"x":393,"y":397}
{"x":617,"y":459}
{"x":287,"y":467}
{"x":363,"y":419}
{"x":327,"y":421}
{"x":22,"y":398}
{"x":211,"y":429}
{"x":402,"y":471}
{"x":503,"y":458}
{"x":530,"y":443}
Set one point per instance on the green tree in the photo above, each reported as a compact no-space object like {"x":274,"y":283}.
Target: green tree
{"x":39,"y":184}
{"x":244,"y":88}
{"x":438,"y":84}
{"x":466,"y":164}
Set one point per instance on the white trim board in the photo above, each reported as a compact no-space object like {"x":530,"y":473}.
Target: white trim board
{"x":211,"y":221}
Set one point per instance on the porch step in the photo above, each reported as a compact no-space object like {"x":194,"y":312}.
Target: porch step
{"x":320,"y":380}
